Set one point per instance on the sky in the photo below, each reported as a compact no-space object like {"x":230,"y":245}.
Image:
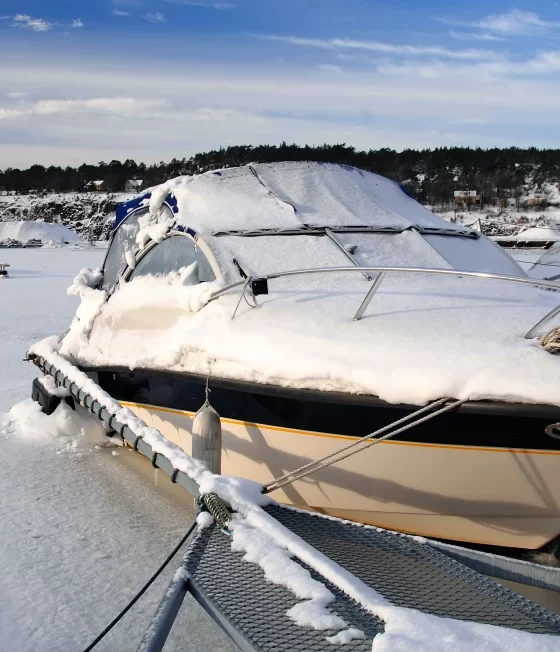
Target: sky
{"x":97,"y":80}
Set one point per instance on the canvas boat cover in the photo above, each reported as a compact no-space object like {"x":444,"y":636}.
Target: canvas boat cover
{"x":293,"y":195}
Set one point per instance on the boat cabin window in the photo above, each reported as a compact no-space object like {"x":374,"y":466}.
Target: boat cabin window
{"x":175,"y":253}
{"x":124,"y":239}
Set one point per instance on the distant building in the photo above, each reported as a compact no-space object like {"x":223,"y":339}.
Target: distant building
{"x":134,"y":185}
{"x":465,"y":196}
{"x":537,"y":199}
{"x":95,"y":186}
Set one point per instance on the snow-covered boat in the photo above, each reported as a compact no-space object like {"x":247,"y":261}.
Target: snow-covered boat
{"x":321,"y":303}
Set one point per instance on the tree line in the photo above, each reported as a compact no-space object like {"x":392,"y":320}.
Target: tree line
{"x":431,"y":175}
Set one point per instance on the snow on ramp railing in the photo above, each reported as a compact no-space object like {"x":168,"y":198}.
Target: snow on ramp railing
{"x":258,"y":284}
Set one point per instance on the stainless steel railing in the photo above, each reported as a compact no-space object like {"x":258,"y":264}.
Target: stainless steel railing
{"x":383,"y":271}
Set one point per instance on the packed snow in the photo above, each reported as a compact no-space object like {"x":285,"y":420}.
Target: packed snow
{"x":284,"y":195}
{"x":540,"y":233}
{"x":421,"y":338}
{"x":24,"y":231}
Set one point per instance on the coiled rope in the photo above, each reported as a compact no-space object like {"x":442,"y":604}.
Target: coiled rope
{"x":551,"y":341}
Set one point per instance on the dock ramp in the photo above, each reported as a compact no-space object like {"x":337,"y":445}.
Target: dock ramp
{"x":406,"y":572}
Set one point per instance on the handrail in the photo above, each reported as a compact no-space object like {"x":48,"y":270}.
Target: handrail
{"x":382,"y":271}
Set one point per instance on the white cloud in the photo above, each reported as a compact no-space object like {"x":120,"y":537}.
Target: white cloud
{"x":514,"y":22}
{"x":475,"y":36}
{"x":76,"y":23}
{"x":210,"y":4}
{"x":34,"y":24}
{"x":329,"y":68}
{"x":119,"y":12}
{"x":384,"y":48}
{"x":122,"y":106}
{"x":469,"y":121}
{"x":155,"y":17}
{"x":417,"y":104}
{"x":16,"y":95}
{"x":517,"y":22}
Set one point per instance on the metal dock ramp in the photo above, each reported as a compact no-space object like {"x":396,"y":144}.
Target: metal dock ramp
{"x":409,"y":574}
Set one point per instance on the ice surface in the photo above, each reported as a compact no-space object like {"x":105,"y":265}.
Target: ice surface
{"x":34,"y":303}
{"x":81,"y":530}
{"x":46,"y":232}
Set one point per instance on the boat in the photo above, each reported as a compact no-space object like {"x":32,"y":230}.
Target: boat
{"x":536,"y":237}
{"x":313,"y":304}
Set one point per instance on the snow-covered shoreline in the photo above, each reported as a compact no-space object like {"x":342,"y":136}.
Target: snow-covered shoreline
{"x":91,"y":214}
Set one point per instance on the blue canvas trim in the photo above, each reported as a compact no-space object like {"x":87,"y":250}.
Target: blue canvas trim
{"x":124,"y":209}
{"x":186,"y":229}
{"x":171,"y":201}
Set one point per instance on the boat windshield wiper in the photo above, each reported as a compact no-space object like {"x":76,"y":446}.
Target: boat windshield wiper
{"x":323,"y":230}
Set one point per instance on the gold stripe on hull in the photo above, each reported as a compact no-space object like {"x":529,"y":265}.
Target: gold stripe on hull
{"x":496,"y":496}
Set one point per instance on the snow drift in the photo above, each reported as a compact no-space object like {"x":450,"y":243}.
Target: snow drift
{"x":24,"y":231}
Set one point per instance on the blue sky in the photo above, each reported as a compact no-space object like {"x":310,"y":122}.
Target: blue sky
{"x":157,"y":79}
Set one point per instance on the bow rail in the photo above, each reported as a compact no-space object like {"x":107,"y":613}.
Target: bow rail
{"x":382,"y":273}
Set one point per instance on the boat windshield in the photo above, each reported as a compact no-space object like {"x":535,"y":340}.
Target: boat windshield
{"x":270,"y":251}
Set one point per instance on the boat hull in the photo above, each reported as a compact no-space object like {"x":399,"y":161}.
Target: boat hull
{"x":487,"y":474}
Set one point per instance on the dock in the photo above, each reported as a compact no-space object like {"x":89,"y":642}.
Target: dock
{"x":370,"y":572}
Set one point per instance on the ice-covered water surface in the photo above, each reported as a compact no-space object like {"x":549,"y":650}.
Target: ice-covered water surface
{"x":34,"y":303}
{"x":82,"y":528}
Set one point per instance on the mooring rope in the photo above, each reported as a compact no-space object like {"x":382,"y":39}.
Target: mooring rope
{"x":362,"y":444}
{"x":551,"y":341}
{"x":142,"y":590}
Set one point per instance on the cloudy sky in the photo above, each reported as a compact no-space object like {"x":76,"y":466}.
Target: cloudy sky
{"x":94,"y":80}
